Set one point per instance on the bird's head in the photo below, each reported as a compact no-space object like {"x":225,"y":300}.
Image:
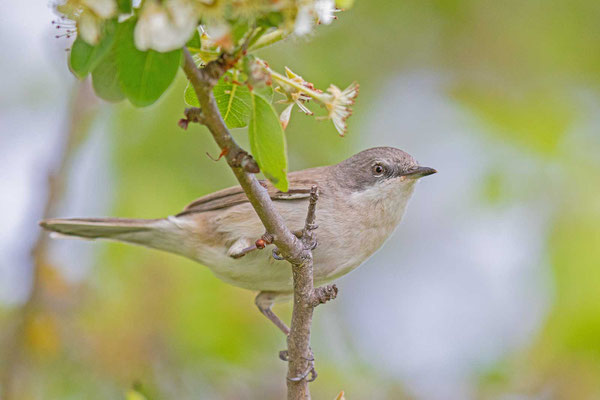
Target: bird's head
{"x":380,"y":171}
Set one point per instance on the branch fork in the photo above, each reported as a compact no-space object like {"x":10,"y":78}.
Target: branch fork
{"x":323,"y":294}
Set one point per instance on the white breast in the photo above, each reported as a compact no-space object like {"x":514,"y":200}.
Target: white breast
{"x":374,"y":215}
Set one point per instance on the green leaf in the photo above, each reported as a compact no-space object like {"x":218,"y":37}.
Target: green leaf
{"x":105,"y":79}
{"x":124,"y":6}
{"x":144,"y":75}
{"x":267,"y":142}
{"x":233,"y":101}
{"x":85,"y":57}
{"x":271,"y":20}
{"x":239,"y":29}
{"x":189,"y":96}
{"x":194,"y":42}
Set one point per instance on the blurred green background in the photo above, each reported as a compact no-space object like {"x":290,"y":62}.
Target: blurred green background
{"x":490,"y":289}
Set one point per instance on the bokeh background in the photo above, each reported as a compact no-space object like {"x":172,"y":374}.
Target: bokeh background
{"x":490,"y":288}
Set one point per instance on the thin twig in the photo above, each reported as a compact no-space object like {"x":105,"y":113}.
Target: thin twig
{"x":301,"y":362}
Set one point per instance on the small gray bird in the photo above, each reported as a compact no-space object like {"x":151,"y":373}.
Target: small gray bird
{"x":361,"y":201}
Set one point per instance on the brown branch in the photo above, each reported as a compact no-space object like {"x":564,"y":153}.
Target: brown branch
{"x":297,"y":251}
{"x":203,"y":80}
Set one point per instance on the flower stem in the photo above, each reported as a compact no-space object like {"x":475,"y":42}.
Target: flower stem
{"x":282,"y":79}
{"x":205,"y":55}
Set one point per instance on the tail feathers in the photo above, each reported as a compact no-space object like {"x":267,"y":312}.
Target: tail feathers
{"x":93,"y":228}
{"x":162,"y":234}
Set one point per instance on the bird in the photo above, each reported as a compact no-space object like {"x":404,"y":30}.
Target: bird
{"x":361,"y":202}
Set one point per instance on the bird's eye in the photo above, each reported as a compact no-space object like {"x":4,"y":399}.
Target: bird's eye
{"x":378,"y":169}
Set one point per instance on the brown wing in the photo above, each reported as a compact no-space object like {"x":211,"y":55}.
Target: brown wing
{"x":299,"y":188}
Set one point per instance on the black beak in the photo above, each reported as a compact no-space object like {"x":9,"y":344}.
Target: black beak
{"x":420,"y":172}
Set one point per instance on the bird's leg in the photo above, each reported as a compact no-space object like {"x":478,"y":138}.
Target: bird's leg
{"x":264,"y":301}
{"x":283,"y":355}
{"x":261,"y":243}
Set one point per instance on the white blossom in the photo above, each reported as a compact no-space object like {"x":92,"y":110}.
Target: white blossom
{"x":102,"y":8}
{"x":311,"y":12}
{"x":325,"y":10}
{"x":165,"y":27}
{"x":88,"y":16}
{"x":305,"y":20}
{"x":89,"y":28}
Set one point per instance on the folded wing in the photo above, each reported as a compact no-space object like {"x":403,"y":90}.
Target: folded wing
{"x":299,"y":188}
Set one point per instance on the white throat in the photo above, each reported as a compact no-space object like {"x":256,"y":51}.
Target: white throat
{"x":384,"y":204}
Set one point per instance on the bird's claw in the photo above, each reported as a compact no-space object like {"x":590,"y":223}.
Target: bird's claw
{"x":284,"y":356}
{"x":276,"y":254}
{"x":310,"y":370}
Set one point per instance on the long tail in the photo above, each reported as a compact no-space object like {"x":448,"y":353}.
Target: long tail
{"x":162,"y":234}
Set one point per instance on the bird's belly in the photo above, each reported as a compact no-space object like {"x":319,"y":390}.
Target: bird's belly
{"x":258,"y":270}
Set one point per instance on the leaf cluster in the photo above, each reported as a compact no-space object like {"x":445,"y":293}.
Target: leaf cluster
{"x":121,"y":68}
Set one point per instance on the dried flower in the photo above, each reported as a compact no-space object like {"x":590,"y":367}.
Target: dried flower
{"x":294,"y":94}
{"x":284,"y":117}
{"x":298,"y":91}
{"x":339,"y":105}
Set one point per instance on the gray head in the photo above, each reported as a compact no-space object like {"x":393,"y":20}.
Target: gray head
{"x":379,"y":165}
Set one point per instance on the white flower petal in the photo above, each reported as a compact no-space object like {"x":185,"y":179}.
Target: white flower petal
{"x":284,"y":118}
{"x":102,"y":8}
{"x":88,"y":27}
{"x":304,"y":21}
{"x":325,"y":10}
{"x":217,"y":30}
{"x":165,"y":28}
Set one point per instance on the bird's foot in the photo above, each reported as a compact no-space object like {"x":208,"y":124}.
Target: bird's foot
{"x":277,"y":255}
{"x":309,"y":371}
{"x":284,"y":356}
